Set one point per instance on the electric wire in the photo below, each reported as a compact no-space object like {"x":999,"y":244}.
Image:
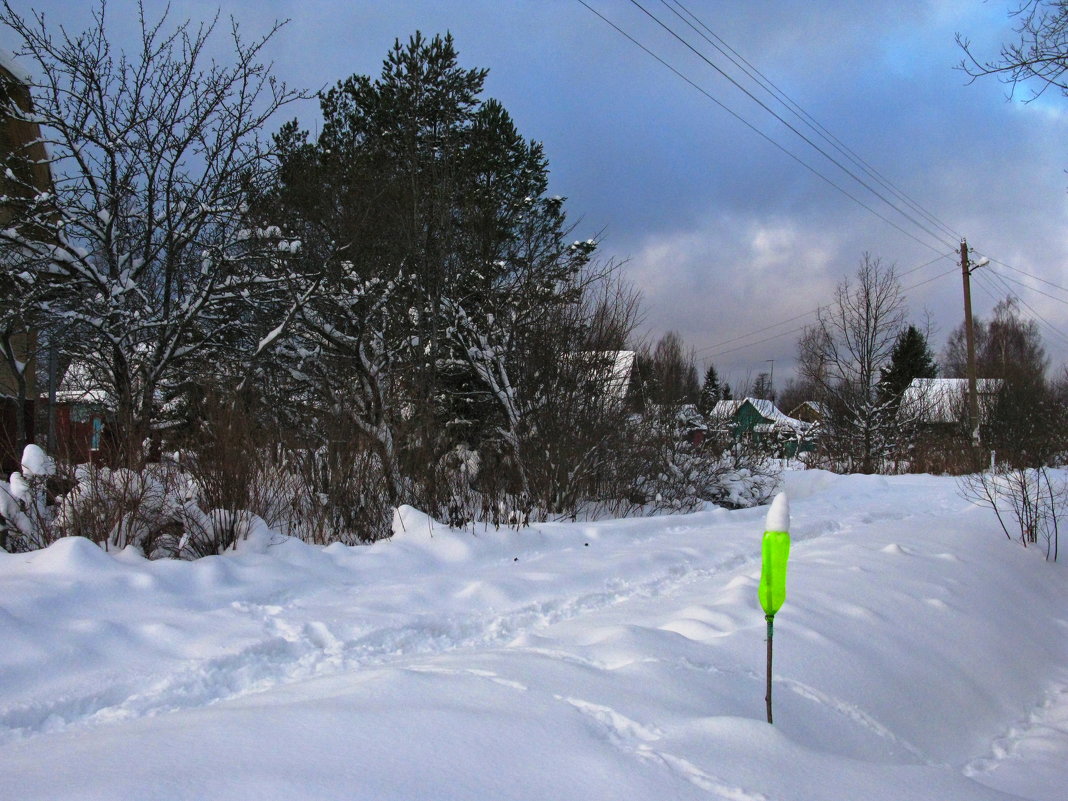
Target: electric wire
{"x":814,"y":311}
{"x":809,"y":313}
{"x":753,"y":128}
{"x":1022,"y":272}
{"x":1031,"y":288}
{"x":798,"y":111}
{"x":1062,"y":336}
{"x":792,"y":128}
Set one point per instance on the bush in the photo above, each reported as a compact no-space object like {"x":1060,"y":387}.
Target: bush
{"x":1028,"y":502}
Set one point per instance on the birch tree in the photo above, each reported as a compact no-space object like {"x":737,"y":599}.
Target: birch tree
{"x":843,"y":354}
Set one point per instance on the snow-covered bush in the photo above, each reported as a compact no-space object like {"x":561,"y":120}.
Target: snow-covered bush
{"x":25,"y":505}
{"x":686,"y":476}
{"x":664,"y":467}
{"x":339,"y":494}
{"x":120,"y":507}
{"x":160,"y":509}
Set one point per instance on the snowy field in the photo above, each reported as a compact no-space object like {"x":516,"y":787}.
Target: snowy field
{"x":919,"y":655}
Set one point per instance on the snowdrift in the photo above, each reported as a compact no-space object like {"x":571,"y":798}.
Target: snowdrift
{"x":919,"y":655}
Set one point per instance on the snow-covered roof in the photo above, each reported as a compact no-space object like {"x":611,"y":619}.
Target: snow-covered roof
{"x":617,"y":366}
{"x":769,"y":411}
{"x":14,"y":65}
{"x":726,"y":409}
{"x":79,"y":385}
{"x":813,"y":408}
{"x":945,"y":400}
{"x":690,"y":418}
{"x":619,"y":379}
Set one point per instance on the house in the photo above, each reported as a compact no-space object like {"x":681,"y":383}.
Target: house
{"x":691,"y":424}
{"x":760,"y":421}
{"x":83,"y":406}
{"x":944,"y":401}
{"x":809,"y":412}
{"x":618,"y":380}
{"x":608,"y":373}
{"x":17,"y":368}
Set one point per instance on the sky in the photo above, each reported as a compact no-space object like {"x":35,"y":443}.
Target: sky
{"x":732,"y":241}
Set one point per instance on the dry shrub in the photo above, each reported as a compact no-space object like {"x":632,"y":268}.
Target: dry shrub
{"x":339,"y":495}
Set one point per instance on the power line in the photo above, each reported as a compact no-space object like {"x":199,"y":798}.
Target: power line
{"x":1062,"y":336}
{"x":814,"y":311}
{"x":796,"y":109}
{"x":793,"y":129}
{"x":761,"y":331}
{"x":752,"y":127}
{"x":809,"y":313}
{"x":1024,"y":272}
{"x":1031,"y":288}
{"x":929,"y":280}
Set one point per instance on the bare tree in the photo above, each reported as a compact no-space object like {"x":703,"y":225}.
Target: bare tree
{"x":146,"y":243}
{"x":842,"y":354}
{"x":1038,"y":56}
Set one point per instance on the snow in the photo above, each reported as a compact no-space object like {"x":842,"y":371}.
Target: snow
{"x":778,"y":518}
{"x":15,"y":66}
{"x":920,"y":655}
{"x":769,"y":411}
{"x":35,"y":462}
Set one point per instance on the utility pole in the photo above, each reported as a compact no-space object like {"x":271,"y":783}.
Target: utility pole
{"x":969,"y":335}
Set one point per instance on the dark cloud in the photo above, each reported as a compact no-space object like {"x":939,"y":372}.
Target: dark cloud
{"x":724,"y":233}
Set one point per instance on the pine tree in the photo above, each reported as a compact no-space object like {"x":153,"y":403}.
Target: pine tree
{"x":434,"y":256}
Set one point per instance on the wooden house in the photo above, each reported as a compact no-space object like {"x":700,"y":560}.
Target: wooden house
{"x":18,"y":343}
{"x":762,"y":423}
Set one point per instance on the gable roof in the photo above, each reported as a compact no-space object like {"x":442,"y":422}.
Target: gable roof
{"x":609,"y":369}
{"x":729,"y":409}
{"x":775,"y":416}
{"x":809,"y":411}
{"x":726,"y":409}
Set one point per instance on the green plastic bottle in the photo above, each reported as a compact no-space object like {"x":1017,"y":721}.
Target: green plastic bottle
{"x":775,"y":550}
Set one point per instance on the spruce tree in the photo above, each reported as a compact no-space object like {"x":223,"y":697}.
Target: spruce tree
{"x":911,"y":358}
{"x":710,"y":391}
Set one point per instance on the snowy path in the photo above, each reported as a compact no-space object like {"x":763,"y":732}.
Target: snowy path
{"x":609,"y":660}
{"x":319,"y":632}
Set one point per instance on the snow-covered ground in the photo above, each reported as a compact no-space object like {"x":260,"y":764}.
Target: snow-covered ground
{"x":919,"y":655}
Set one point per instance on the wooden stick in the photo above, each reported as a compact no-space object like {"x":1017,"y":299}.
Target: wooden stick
{"x":767,"y":698}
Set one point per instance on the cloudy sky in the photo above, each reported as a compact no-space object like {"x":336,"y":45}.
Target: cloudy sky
{"x":733,"y":242}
